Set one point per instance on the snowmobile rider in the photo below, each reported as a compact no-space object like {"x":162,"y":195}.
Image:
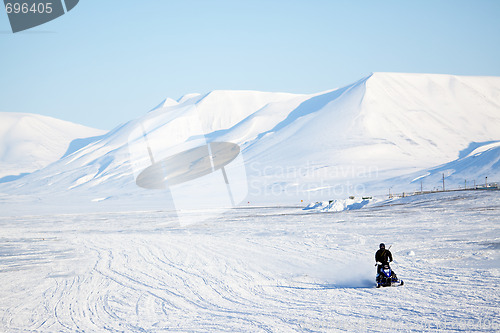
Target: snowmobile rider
{"x":382,"y":257}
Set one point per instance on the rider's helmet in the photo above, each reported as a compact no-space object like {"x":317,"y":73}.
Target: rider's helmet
{"x":382,"y":245}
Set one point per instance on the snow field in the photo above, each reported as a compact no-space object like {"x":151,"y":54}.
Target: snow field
{"x":255,"y":269}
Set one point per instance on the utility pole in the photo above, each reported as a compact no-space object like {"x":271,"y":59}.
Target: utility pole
{"x":486,"y":182}
{"x":466,"y":184}
{"x":443,"y":182}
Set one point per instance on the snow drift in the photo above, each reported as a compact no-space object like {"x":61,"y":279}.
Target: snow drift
{"x":338,"y":205}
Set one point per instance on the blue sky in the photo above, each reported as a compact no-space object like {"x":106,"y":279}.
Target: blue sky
{"x":106,"y":62}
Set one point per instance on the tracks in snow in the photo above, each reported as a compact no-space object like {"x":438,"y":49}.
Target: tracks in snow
{"x":244,"y":272}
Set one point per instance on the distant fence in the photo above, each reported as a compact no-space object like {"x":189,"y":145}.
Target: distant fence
{"x":482,"y":187}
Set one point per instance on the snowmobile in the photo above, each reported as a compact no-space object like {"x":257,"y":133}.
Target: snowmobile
{"x":387,"y":277}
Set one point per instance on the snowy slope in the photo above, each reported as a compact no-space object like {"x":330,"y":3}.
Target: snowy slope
{"x":105,"y":163}
{"x":391,"y":123}
{"x":481,"y":161}
{"x":29,"y":142}
{"x":348,"y":141}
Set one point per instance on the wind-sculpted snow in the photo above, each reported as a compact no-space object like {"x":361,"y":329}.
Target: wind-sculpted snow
{"x":255,"y":270}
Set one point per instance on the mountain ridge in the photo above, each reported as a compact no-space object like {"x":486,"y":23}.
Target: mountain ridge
{"x":305,"y":144}
{"x":29,"y":142}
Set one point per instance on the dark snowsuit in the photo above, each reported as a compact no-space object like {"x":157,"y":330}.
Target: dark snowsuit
{"x":384,"y":256}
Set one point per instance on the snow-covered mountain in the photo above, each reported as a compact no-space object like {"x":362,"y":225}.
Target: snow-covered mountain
{"x":477,"y":165}
{"x":29,"y":142}
{"x":347,"y":141}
